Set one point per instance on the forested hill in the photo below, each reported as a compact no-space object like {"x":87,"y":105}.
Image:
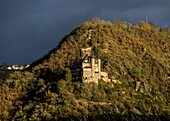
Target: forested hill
{"x":129,"y":53}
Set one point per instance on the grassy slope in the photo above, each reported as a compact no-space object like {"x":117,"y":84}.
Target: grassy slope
{"x":129,"y":53}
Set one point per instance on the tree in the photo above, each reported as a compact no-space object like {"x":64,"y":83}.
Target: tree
{"x":68,"y":74}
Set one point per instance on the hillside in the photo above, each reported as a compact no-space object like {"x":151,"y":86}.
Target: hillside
{"x":129,"y":53}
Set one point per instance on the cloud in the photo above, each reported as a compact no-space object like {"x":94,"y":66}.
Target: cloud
{"x":29,"y":29}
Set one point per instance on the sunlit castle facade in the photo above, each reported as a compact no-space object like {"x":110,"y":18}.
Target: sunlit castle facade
{"x":91,"y":67}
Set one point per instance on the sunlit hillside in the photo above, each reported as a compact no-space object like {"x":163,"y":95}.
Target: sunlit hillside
{"x":130,"y":54}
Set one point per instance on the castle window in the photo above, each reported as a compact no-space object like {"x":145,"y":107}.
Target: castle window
{"x":89,"y":59}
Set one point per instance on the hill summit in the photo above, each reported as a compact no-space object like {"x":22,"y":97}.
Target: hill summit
{"x":136,"y":58}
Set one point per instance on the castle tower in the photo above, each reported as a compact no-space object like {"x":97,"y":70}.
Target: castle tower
{"x":96,"y":69}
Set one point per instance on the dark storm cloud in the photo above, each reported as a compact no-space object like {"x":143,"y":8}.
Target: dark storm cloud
{"x":29,"y":28}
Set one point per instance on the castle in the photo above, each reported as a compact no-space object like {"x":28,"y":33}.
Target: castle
{"x":91,"y":67}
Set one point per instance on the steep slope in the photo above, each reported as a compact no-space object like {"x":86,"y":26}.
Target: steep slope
{"x":129,"y":53}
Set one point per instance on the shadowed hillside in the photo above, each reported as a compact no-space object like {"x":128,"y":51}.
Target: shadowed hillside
{"x":136,"y":56}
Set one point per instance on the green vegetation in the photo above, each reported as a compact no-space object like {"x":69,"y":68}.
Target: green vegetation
{"x":129,"y":53}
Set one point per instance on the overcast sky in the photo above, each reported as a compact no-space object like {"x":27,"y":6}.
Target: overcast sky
{"x":30,"y":28}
